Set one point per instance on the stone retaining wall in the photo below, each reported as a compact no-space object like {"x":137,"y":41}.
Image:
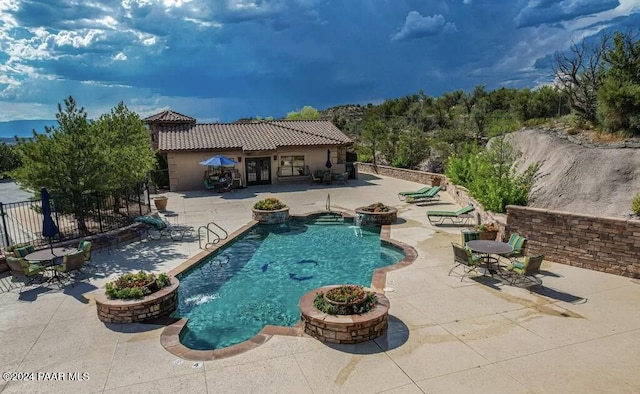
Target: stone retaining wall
{"x":426,"y":178}
{"x":603,"y":244}
{"x":343,"y":328}
{"x":158,"y":304}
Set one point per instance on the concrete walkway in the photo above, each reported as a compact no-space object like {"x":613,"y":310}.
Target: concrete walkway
{"x":581,"y":333}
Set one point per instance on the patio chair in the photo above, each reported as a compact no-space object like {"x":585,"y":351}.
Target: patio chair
{"x":316,"y":176}
{"x":469,"y":235}
{"x":23,"y":269}
{"x":85,"y":248}
{"x":459,"y":217}
{"x":463,"y":257}
{"x":71,"y":262}
{"x":518,"y":243}
{"x":403,"y":195}
{"x":430,"y":195}
{"x":524,"y":271}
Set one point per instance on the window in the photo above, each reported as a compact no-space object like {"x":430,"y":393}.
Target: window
{"x":292,"y":165}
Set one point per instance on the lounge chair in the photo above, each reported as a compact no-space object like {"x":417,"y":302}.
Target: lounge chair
{"x":459,"y":217}
{"x":524,"y":271}
{"x":518,"y":243}
{"x":403,"y":195}
{"x":463,"y":256}
{"x":430,"y":195}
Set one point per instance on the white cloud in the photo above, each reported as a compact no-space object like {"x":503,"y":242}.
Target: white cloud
{"x":418,"y":26}
{"x":120,"y":56}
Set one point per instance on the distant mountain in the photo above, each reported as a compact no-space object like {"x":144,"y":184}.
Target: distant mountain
{"x":24,"y":128}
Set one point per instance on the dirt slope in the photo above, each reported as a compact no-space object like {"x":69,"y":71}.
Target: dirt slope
{"x":596,"y":181}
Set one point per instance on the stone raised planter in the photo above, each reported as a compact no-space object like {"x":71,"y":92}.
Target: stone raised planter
{"x":271,"y":217}
{"x":343,"y":328}
{"x":158,"y":304}
{"x":366,"y":218}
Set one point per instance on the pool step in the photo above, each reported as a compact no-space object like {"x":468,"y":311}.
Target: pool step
{"x":329,"y":219}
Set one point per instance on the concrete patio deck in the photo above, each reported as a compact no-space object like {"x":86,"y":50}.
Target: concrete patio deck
{"x":581,"y":333}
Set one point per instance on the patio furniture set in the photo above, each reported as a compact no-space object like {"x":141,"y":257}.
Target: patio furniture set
{"x":488,"y":256}
{"x":59,"y":264}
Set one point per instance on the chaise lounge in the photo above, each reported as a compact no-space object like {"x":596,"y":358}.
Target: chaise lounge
{"x":430,"y":195}
{"x":403,"y":195}
{"x":459,"y":217}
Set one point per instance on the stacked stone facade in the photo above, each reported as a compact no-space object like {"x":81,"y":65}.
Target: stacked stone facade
{"x":158,"y":304}
{"x":603,"y":244}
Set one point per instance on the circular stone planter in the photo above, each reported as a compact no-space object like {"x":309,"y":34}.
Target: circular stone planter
{"x":343,"y":328}
{"x":271,"y":217}
{"x":366,"y":218}
{"x":158,"y":304}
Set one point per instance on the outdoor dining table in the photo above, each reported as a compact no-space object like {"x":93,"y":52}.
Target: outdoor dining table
{"x":50,"y":255}
{"x":488,"y":248}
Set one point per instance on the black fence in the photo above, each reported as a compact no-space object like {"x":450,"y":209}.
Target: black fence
{"x":92,"y":213}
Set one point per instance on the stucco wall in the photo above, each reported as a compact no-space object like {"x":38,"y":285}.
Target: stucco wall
{"x":602,"y":244}
{"x":185,"y":170}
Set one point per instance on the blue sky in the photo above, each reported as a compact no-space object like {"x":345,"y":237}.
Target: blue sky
{"x":219,"y":60}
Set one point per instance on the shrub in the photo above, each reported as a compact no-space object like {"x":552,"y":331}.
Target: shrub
{"x":367,"y":305}
{"x":635,"y":204}
{"x":134,"y":286}
{"x":269,"y":204}
{"x":486,"y":227}
{"x":491,"y":176}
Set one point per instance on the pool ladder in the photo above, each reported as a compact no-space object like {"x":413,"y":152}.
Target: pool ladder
{"x":212,"y":233}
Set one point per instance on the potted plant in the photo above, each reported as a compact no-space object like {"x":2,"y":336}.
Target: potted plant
{"x":488,"y":231}
{"x":270,"y":211}
{"x":134,"y":286}
{"x":160,"y":202}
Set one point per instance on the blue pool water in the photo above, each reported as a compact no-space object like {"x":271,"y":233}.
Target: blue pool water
{"x":259,"y":278}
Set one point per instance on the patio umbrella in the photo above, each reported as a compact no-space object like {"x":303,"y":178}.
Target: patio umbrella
{"x":49,"y":228}
{"x":219,"y":161}
{"x":328,"y":163}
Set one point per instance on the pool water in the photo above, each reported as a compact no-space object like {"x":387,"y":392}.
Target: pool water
{"x":258,"y":279}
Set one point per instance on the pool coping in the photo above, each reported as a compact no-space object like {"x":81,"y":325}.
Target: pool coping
{"x":170,"y":336}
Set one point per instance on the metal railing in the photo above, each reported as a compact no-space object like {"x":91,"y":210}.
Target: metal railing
{"x":92,"y":213}
{"x":211,"y":233}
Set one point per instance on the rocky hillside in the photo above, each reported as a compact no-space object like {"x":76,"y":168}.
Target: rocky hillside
{"x":595,"y":179}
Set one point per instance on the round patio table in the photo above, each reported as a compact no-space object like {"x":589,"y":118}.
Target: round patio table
{"x":49,"y":255}
{"x":488,"y":248}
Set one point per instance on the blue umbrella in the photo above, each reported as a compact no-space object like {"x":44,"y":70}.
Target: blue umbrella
{"x":49,"y":228}
{"x":219,"y":161}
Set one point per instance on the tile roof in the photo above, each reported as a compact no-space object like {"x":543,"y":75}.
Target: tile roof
{"x":169,"y":116}
{"x":251,"y":136}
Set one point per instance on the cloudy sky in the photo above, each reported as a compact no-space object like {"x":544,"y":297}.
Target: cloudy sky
{"x":220,"y":60}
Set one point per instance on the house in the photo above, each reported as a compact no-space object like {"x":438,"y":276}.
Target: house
{"x":267,"y":152}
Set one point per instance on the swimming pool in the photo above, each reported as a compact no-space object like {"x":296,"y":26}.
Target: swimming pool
{"x":258,"y":279}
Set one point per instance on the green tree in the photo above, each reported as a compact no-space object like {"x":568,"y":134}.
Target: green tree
{"x":619,"y":94}
{"x":306,"y":113}
{"x":9,"y":158}
{"x":373,"y":134}
{"x":80,"y":156}
{"x":491,"y":175}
